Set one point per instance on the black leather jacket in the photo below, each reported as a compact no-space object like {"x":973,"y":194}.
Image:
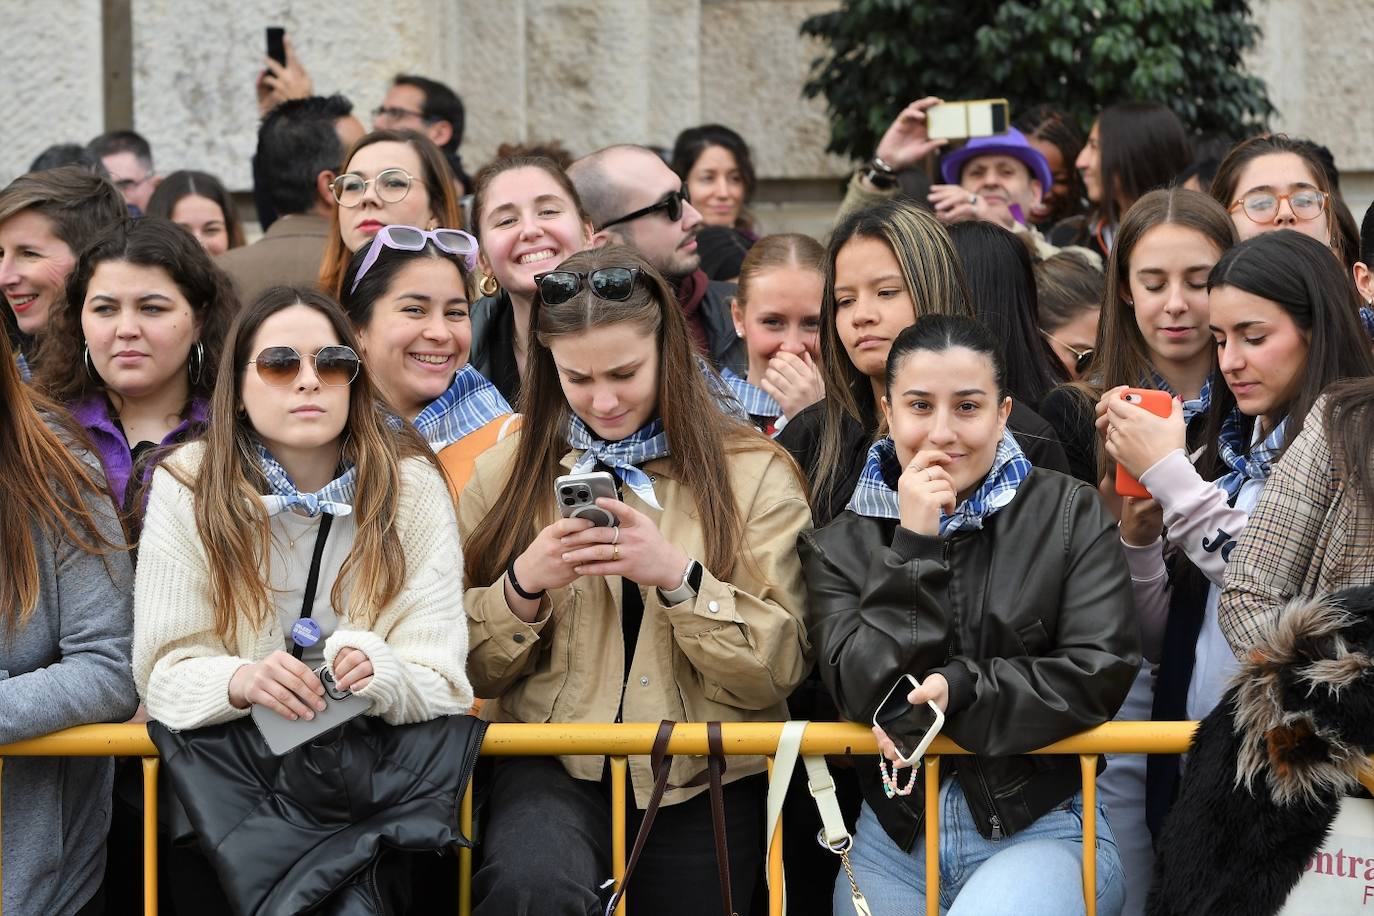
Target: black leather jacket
{"x":1030,"y":619}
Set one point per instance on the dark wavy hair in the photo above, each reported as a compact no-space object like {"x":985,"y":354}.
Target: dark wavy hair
{"x":1049,"y":124}
{"x":1297,"y":273}
{"x":196,"y":184}
{"x":1001,"y":282}
{"x":694,"y":141}
{"x":145,"y":242}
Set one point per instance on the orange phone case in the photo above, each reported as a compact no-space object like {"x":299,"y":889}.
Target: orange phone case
{"x":1158,"y":403}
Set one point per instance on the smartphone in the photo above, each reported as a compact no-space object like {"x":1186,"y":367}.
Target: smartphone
{"x":283,"y":735}
{"x":577,"y":495}
{"x":911,"y":728}
{"x":276,"y":48}
{"x":1158,"y":403}
{"x":961,"y":120}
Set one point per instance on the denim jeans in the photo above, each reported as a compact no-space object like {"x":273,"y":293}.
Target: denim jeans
{"x":1036,"y":871}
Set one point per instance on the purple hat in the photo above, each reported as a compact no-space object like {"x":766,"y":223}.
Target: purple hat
{"x":1012,"y":143}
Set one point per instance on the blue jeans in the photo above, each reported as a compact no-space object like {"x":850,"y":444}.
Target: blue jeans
{"x":1036,"y":871}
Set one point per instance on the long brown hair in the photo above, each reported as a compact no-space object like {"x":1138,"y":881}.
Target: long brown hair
{"x":438,"y":179}
{"x":481,"y":185}
{"x":934,"y":278}
{"x":702,"y":435}
{"x":42,"y":482}
{"x":1121,"y":356}
{"x":1349,"y":426}
{"x":233,"y":524}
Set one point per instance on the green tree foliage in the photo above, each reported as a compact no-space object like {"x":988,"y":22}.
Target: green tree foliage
{"x":1080,"y":55}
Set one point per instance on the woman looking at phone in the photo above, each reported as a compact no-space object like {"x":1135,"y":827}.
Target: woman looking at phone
{"x":930,"y":572}
{"x":528,"y":217}
{"x":688,"y":609}
{"x":390,"y":177}
{"x":136,"y":346}
{"x":885,"y":267}
{"x":406,"y":294}
{"x":777,"y":312}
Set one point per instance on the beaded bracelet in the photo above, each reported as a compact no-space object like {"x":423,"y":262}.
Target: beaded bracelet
{"x":890,"y":786}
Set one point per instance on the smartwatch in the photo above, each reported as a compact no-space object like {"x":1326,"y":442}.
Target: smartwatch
{"x":691,"y":584}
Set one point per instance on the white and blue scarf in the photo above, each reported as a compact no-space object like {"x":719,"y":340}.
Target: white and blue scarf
{"x":755,"y":401}
{"x":467,"y":405}
{"x":1191,"y":408}
{"x":876,"y":493}
{"x":1247,"y":464}
{"x":336,"y":497}
{"x":622,"y":457}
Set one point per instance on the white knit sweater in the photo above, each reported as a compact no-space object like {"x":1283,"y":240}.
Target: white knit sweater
{"x":418,"y":646}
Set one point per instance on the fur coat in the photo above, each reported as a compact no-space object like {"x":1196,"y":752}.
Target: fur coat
{"x":1269,"y":766}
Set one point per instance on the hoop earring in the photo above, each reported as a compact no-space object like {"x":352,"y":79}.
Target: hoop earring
{"x":195,"y":367}
{"x":86,"y":361}
{"x":488,"y":286}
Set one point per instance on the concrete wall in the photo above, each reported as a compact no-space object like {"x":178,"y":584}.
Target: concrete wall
{"x":588,"y":72}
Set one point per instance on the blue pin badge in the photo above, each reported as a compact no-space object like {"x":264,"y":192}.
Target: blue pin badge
{"x":305,"y":632}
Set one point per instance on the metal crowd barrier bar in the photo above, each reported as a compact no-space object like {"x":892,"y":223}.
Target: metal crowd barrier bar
{"x":620,"y":741}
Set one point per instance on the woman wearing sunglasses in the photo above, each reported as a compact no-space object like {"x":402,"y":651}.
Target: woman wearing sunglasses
{"x":528,"y":217}
{"x":298,"y":475}
{"x":689,"y":608}
{"x":135,"y":347}
{"x":390,"y":177}
{"x":406,"y":294}
{"x":1068,"y":292}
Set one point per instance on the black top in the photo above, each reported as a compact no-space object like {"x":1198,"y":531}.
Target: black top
{"x":802,"y":438}
{"x":493,"y":344}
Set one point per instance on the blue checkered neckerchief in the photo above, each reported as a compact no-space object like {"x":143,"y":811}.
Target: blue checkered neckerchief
{"x":623,"y":457}
{"x":1247,"y":464}
{"x":467,"y":405}
{"x":336,"y":497}
{"x":1191,"y":408}
{"x":876,"y":493}
{"x":24,"y":371}
{"x":1367,"y":319}
{"x":755,"y":401}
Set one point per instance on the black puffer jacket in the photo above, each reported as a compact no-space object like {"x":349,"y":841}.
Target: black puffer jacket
{"x":1030,"y":620}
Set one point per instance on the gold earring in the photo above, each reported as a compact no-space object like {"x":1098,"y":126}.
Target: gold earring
{"x":488,"y":285}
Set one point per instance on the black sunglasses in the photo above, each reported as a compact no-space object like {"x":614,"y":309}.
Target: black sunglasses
{"x":672,"y":205}
{"x":614,"y":284}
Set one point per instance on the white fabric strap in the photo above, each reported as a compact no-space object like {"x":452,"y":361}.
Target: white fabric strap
{"x":822,"y":788}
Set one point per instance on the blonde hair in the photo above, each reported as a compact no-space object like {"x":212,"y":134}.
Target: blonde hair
{"x":785,"y":249}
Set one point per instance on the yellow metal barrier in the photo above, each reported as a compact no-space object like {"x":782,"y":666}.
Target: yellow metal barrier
{"x":620,"y":741}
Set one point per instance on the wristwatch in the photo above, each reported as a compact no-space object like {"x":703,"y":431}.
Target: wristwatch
{"x":879,"y":174}
{"x":691,"y":584}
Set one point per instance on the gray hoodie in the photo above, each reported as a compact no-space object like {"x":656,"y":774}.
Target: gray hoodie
{"x":69,"y":665}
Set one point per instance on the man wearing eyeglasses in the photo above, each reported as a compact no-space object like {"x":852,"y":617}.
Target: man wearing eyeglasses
{"x":634,"y":198}
{"x":129,"y":160}
{"x":433,"y":109}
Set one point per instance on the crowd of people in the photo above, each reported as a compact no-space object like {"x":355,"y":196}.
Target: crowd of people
{"x":828,"y":463}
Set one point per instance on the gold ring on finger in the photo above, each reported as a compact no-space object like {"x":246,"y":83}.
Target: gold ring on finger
{"x":615,"y":552}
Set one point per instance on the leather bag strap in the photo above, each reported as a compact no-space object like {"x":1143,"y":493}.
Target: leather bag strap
{"x":715,"y":767}
{"x":660,"y":761}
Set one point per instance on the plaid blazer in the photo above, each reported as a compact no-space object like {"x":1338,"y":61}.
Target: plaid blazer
{"x":1310,"y":534}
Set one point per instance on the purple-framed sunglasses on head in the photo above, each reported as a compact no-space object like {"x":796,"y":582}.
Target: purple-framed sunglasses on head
{"x":410,"y":238}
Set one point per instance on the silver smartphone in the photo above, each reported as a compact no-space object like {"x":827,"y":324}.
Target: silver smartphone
{"x":961,"y":120}
{"x":283,"y":735}
{"x":577,"y":495}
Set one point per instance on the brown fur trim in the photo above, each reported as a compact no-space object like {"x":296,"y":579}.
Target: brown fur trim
{"x":1277,"y":744}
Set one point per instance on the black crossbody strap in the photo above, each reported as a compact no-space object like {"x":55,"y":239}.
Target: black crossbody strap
{"x":312,"y":581}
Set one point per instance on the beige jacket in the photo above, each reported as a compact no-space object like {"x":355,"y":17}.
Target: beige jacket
{"x":733,"y":654}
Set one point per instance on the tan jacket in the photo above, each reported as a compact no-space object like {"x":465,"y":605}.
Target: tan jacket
{"x":733,"y":654}
{"x":288,"y":254}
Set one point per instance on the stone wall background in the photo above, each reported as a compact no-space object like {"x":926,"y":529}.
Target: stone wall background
{"x":589,"y":72}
